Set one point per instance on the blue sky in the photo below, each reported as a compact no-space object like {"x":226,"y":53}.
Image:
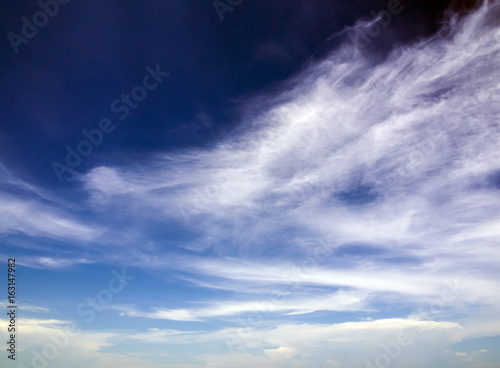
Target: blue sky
{"x":282,"y":187}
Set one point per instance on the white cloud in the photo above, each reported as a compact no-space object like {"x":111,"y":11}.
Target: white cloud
{"x":28,"y":307}
{"x":340,"y":302}
{"x":304,"y":345}
{"x":399,"y":156}
{"x":34,"y":218}
{"x":49,"y":262}
{"x":33,"y":211}
{"x":313,"y":345}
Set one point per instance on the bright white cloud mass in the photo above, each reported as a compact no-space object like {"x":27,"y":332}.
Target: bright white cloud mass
{"x":352,"y":220}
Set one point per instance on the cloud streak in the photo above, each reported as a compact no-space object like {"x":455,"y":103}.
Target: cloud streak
{"x":394,"y":161}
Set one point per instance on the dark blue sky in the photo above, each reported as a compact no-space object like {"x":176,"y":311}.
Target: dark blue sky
{"x":65,"y":78}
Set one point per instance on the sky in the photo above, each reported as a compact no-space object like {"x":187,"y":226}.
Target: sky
{"x":300,"y":183}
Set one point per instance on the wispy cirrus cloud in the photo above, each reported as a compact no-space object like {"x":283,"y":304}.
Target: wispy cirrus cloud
{"x":50,"y":262}
{"x":340,"y":301}
{"x":398,"y":154}
{"x":392,"y":166}
{"x":33,"y":211}
{"x":395,"y":161}
{"x":28,"y":307}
